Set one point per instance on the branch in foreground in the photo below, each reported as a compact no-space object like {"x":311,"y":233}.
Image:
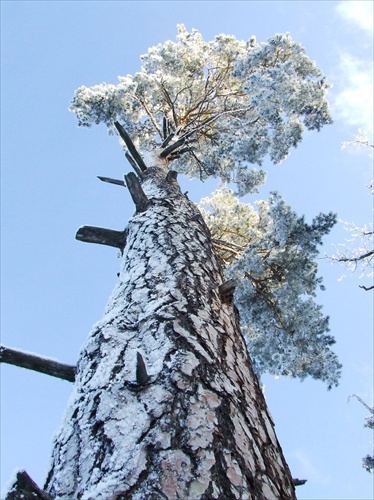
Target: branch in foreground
{"x":37,"y":363}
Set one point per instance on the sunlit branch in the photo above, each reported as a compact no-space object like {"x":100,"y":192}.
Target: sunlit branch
{"x":230,"y":247}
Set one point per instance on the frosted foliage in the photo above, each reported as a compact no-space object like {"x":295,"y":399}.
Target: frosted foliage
{"x":264,"y":95}
{"x":230,"y":222}
{"x":271,"y":252}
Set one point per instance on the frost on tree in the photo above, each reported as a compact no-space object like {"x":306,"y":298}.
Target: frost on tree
{"x":165,"y":402}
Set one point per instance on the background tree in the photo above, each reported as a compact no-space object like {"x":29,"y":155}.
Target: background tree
{"x":264,"y":95}
{"x":358,"y":251}
{"x":358,"y":254}
{"x":368,"y":461}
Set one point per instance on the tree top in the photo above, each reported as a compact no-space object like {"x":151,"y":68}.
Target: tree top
{"x":233,"y":102}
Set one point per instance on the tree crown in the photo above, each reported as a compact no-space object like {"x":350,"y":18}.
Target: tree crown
{"x":263,"y":94}
{"x":271,"y":253}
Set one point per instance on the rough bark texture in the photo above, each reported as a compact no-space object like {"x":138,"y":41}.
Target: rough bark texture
{"x":189,"y":421}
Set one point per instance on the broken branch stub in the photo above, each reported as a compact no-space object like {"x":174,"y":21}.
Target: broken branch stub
{"x":227,"y":289}
{"x":24,"y":487}
{"x":177,"y":144}
{"x":171,"y":176}
{"x":131,"y":147}
{"x":111,"y":181}
{"x":132,"y":162}
{"x":142,"y":376}
{"x":102,"y":236}
{"x":137,"y":194}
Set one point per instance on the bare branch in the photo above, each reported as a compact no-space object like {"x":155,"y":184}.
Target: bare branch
{"x":367,"y":288}
{"x":167,"y":140}
{"x":132,"y":162}
{"x":102,"y":236}
{"x":299,"y":482}
{"x":344,"y":258}
{"x":37,"y":363}
{"x":138,"y":196}
{"x":131,"y":147}
{"x":361,"y":401}
{"x":25,"y":487}
{"x":226,"y":290}
{"x":177,"y":144}
{"x":229,"y":247}
{"x":171,"y":104}
{"x":111,"y":181}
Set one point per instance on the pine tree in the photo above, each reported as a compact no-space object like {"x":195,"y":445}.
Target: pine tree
{"x":165,"y":402}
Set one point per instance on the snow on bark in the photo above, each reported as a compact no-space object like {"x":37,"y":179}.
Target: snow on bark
{"x":198,"y":427}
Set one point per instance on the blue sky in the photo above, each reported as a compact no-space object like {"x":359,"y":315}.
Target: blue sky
{"x":55,"y":288}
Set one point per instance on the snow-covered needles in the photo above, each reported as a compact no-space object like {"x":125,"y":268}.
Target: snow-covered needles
{"x":243,"y":100}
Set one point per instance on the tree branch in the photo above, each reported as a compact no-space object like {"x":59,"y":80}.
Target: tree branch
{"x":25,"y":487}
{"x":131,"y":147}
{"x":177,"y":144}
{"x":171,"y":104}
{"x":299,"y":482}
{"x":37,"y":363}
{"x":344,"y":258}
{"x":102,"y":236}
{"x":226,"y":290}
{"x":137,"y":194}
{"x":366,"y":288}
{"x":171,"y":176}
{"x":228,"y":247}
{"x":267,"y":299}
{"x":132,"y":162}
{"x":167,"y":140}
{"x":146,"y":109}
{"x":111,"y":181}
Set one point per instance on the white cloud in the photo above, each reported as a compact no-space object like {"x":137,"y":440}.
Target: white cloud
{"x":359,"y":12}
{"x":354,"y":103}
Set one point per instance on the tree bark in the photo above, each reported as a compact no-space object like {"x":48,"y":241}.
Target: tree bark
{"x":165,"y":403}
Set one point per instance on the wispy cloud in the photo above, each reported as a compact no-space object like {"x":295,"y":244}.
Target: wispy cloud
{"x":354,"y":101}
{"x":358,"y":12}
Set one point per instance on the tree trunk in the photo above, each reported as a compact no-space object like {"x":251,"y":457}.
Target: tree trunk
{"x":165,"y":403}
